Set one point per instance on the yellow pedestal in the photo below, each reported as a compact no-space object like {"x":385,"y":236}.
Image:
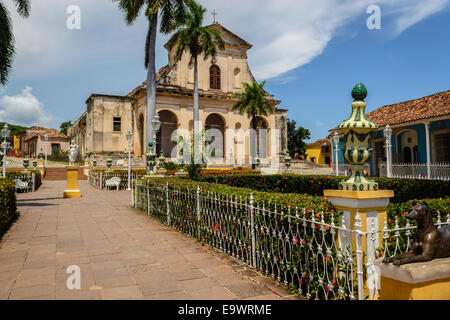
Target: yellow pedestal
{"x":372,"y":208}
{"x":72,"y":190}
{"x":416,"y":281}
{"x":372,"y":205}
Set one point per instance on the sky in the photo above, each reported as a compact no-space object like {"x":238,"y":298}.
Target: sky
{"x":311,"y":52}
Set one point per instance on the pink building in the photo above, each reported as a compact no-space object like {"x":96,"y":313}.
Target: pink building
{"x":34,"y":141}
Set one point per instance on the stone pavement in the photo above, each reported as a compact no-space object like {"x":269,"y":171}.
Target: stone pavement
{"x":122,"y":254}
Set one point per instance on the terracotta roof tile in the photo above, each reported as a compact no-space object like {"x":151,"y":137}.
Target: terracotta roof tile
{"x":52,"y":133}
{"x":320,"y":143}
{"x":423,"y":108}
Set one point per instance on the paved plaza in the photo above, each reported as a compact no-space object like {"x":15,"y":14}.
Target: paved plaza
{"x":121,"y":253}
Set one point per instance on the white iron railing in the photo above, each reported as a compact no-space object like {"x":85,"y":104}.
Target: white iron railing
{"x":98,"y":179}
{"x":318,"y":254}
{"x":417,"y":170}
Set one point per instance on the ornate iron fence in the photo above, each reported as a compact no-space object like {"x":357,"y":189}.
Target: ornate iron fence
{"x":317,"y":255}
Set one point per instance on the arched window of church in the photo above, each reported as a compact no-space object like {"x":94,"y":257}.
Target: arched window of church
{"x":214,"y":77}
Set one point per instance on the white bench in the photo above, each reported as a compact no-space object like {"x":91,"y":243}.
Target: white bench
{"x":21,"y":185}
{"x":113,"y":182}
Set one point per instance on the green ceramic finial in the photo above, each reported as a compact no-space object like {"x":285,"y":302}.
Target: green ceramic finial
{"x":150,"y":144}
{"x":359,"y":92}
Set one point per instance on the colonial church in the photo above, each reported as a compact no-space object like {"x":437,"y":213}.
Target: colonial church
{"x":101,"y":129}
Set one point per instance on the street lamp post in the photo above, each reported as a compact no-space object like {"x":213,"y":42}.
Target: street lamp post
{"x":46,"y":143}
{"x":5,"y":134}
{"x":388,"y":135}
{"x":129,"y":137}
{"x":156,"y":126}
{"x":336,"y":150}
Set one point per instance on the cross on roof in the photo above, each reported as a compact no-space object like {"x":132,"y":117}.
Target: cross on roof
{"x":214,"y":13}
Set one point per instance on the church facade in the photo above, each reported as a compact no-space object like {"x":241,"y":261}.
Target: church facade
{"x":101,"y":129}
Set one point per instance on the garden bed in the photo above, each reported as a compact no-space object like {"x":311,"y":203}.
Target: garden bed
{"x":8,"y":204}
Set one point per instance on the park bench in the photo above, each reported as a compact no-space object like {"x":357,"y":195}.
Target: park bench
{"x":21,"y":185}
{"x":113,"y":182}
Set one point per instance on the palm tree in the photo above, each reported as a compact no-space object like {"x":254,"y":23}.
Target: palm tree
{"x":253,"y":101}
{"x":169,"y":10}
{"x":192,"y":36}
{"x":7,"y":37}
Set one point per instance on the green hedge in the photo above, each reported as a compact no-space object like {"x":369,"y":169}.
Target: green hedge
{"x":282,"y":200}
{"x":405,"y":189}
{"x":8,"y":207}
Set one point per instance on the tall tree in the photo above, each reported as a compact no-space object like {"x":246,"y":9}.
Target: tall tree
{"x":169,"y":10}
{"x":253,"y":101}
{"x":7,"y":49}
{"x":65,"y":126}
{"x":296,"y":136}
{"x":190,"y":35}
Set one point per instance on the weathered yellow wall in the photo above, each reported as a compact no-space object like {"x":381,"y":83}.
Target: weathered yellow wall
{"x":17,"y":143}
{"x":432,"y":290}
{"x":315,"y":152}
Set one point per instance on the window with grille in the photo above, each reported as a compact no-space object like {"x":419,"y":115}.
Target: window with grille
{"x":116,"y":124}
{"x":442,"y":142}
{"x":214,"y":77}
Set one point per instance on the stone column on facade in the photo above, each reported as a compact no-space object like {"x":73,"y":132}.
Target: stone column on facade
{"x":427,"y":139}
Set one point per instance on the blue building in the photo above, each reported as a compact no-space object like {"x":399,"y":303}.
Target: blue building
{"x":420,"y":137}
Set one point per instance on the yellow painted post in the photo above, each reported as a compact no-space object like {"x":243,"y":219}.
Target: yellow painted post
{"x":72,"y":190}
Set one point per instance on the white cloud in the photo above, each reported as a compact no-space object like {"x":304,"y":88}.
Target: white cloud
{"x":417,"y":11}
{"x":23,"y":109}
{"x":286,"y":34}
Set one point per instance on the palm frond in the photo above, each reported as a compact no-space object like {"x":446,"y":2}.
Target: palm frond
{"x":23,"y":7}
{"x":253,"y":100}
{"x":131,"y":9}
{"x":6,"y":44}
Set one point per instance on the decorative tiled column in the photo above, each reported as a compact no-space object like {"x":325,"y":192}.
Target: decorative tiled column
{"x":359,"y":194}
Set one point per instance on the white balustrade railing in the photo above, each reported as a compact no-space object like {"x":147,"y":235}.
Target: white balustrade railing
{"x":98,"y":179}
{"x":417,"y":170}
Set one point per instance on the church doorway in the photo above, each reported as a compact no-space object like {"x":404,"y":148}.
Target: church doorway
{"x":261,"y":137}
{"x":215,"y":136}
{"x":169,"y":124}
{"x":140,"y":129}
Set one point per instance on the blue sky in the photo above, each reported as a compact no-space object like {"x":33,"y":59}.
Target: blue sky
{"x":311,"y":52}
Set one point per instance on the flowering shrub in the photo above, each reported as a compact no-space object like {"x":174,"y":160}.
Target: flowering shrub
{"x":282,"y":200}
{"x":300,"y":253}
{"x":405,"y":189}
{"x":8,"y":204}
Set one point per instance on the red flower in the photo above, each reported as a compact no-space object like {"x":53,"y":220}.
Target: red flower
{"x":277,"y":259}
{"x":297,"y":240}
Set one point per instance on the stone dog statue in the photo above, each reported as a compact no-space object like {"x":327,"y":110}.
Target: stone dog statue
{"x":429,"y":242}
